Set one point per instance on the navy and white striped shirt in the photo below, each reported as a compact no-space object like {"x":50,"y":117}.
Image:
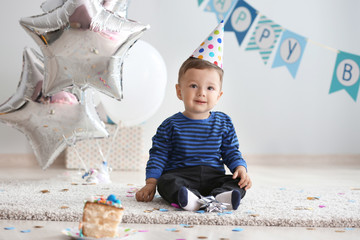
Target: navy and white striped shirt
{"x":184,"y":142}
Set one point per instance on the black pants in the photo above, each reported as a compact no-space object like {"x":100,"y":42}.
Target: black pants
{"x":201,"y":180}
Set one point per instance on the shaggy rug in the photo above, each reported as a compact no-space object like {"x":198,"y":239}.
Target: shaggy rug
{"x":61,"y":200}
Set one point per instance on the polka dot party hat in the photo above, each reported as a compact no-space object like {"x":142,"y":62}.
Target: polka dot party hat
{"x":211,"y":49}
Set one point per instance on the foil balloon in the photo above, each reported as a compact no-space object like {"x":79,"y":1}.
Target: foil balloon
{"x":50,"y":5}
{"x":51,"y":124}
{"x":83,"y":46}
{"x":33,"y":68}
{"x":145,"y":79}
{"x":118,"y":7}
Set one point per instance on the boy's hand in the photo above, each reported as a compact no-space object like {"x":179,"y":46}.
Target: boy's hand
{"x":146,"y":194}
{"x":245,"y":180}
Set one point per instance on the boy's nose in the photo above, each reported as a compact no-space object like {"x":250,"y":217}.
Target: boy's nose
{"x":201,"y":92}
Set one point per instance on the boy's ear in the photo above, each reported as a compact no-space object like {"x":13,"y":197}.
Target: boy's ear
{"x":220,"y":94}
{"x":178,"y":91}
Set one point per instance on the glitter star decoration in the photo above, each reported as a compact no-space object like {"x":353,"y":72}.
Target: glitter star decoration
{"x":84,"y":45}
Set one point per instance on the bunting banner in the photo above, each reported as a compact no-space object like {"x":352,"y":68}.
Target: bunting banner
{"x":240,"y":20}
{"x":346,"y":74}
{"x":290,"y":51}
{"x":239,"y":17}
{"x":222,"y":8}
{"x":264,"y":37}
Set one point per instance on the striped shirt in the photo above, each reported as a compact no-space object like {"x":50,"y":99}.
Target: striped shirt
{"x":183,"y":142}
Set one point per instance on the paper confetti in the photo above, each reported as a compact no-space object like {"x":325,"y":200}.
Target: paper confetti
{"x":322,"y":206}
{"x":238,"y":230}
{"x":163,"y":210}
{"x":9,"y":228}
{"x":175,"y":205}
{"x":25,"y":231}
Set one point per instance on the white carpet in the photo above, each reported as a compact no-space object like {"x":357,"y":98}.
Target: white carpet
{"x":276,"y":206}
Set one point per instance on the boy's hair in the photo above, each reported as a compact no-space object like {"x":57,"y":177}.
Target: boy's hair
{"x":197,"y":63}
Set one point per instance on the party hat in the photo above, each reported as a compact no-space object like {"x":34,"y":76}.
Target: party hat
{"x":211,"y":49}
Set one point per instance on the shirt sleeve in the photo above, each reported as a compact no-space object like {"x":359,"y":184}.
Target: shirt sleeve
{"x":230,"y":152}
{"x":159,"y":152}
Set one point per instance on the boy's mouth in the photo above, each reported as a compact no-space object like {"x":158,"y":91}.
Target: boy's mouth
{"x":200,"y":102}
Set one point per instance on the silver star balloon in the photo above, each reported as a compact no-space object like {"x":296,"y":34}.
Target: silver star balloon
{"x":118,"y":7}
{"x":50,"y":127}
{"x":84,"y":45}
{"x":33,"y":68}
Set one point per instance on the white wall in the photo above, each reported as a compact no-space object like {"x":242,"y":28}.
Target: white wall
{"x":273,"y":113}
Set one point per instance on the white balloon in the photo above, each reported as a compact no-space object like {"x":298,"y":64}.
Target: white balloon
{"x":144,"y":82}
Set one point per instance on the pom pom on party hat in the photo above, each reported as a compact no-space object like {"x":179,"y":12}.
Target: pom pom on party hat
{"x":211,"y":49}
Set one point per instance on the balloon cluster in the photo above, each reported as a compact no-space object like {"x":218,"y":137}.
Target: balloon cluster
{"x":83,"y":45}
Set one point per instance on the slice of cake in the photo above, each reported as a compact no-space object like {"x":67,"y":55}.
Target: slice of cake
{"x":101,"y":217}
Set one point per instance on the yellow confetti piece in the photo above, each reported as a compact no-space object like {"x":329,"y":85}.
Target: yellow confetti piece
{"x":64,"y":190}
{"x":38,"y":226}
{"x":340,"y":231}
{"x":44,"y":191}
{"x":64,"y":207}
{"x":254,"y":215}
{"x":202,"y":237}
{"x":310,"y":228}
{"x":312,"y":198}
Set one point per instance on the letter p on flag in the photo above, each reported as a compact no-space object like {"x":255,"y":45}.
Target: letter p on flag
{"x":346,"y":74}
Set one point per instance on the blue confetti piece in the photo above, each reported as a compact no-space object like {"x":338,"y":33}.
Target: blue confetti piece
{"x":200,"y":211}
{"x":282,"y":188}
{"x":163,"y":210}
{"x":238,"y":230}
{"x":9,"y":228}
{"x":249,"y":212}
{"x":220,"y":214}
{"x":228,"y":212}
{"x":352,"y":201}
{"x":171,"y":229}
{"x":25,"y":231}
{"x":349,"y":229}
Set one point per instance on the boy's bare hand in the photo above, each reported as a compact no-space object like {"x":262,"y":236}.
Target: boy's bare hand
{"x":146,"y":194}
{"x":245,"y":180}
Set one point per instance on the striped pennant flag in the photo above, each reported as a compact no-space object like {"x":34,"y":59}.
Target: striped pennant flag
{"x":264,"y":37}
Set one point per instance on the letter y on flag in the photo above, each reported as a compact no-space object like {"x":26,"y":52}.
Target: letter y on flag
{"x":290,"y":51}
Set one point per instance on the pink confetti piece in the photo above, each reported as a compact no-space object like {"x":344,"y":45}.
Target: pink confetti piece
{"x":143,"y":230}
{"x":129,"y":195}
{"x":175,"y":205}
{"x":322,"y":206}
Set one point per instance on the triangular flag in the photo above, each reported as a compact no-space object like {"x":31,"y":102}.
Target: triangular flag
{"x":222,"y":8}
{"x":264,"y":37}
{"x":290,"y":51}
{"x":346,"y":74}
{"x":240,"y":20}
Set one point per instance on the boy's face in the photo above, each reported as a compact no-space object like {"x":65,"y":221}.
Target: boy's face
{"x":200,"y":90}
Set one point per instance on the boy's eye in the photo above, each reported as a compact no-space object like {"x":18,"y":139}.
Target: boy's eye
{"x":211,"y":88}
{"x":193,"y":86}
